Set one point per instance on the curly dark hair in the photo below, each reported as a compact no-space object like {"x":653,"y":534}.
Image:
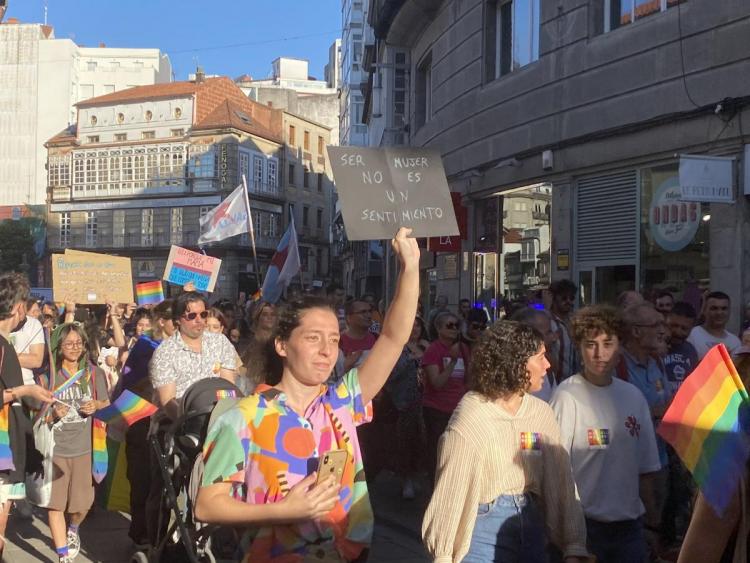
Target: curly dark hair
{"x":288,"y":318}
{"x":498,"y":360}
{"x":597,"y":319}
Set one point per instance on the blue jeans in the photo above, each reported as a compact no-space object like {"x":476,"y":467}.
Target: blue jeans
{"x":508,"y":529}
{"x":617,"y":542}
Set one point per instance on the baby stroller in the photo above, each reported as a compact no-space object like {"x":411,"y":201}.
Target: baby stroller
{"x":177,"y":451}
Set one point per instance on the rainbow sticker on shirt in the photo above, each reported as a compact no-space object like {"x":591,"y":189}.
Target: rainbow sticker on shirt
{"x":226,"y":394}
{"x":531,"y":442}
{"x":598,"y":438}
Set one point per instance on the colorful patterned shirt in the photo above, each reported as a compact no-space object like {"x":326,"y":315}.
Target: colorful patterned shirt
{"x":264,"y":448}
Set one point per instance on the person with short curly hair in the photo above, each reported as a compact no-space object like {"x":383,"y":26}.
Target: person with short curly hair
{"x":503,"y":479}
{"x":606,"y":428}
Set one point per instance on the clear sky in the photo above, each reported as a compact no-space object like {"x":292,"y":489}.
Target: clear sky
{"x":225,"y":37}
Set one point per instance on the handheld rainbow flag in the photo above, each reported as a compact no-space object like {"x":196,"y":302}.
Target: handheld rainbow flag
{"x":707,"y":425}
{"x":149,"y":293}
{"x":6,"y":455}
{"x":127,"y":409}
{"x":99,"y":458}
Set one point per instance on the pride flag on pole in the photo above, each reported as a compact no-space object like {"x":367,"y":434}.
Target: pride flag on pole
{"x":127,"y":409}
{"x":284,"y":266}
{"x":227,"y":219}
{"x":149,"y":293}
{"x":707,"y":425}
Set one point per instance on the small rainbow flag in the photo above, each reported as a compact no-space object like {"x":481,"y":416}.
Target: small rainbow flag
{"x":531,"y":441}
{"x":99,"y":457}
{"x":225,"y":394}
{"x":114,"y":492}
{"x":707,"y":425}
{"x":149,"y":293}
{"x":127,"y":409}
{"x":598,"y":438}
{"x":6,"y":456}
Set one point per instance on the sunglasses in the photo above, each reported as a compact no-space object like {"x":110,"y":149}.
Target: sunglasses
{"x":193,"y":316}
{"x":451,"y":325}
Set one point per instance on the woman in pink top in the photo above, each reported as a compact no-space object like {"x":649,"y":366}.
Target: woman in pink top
{"x":446,"y":364}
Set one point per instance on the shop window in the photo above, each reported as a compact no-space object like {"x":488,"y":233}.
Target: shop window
{"x":674,"y":236}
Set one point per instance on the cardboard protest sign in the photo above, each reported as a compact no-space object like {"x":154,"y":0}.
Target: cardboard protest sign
{"x":384,"y":189}
{"x":89,"y":277}
{"x":185,"y":266}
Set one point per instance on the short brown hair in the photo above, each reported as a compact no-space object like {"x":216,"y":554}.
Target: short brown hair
{"x":498,"y":360}
{"x":14,"y":289}
{"x":595,"y":320}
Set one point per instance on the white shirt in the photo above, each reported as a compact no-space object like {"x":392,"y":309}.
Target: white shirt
{"x":703,"y":341}
{"x":609,"y":436}
{"x":31,"y":333}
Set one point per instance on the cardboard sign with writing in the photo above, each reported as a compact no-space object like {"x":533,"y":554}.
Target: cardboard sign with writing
{"x":89,"y":277}
{"x":185,"y":266}
{"x":384,"y":189}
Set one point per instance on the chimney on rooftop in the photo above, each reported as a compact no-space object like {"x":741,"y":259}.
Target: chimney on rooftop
{"x":200,"y":76}
{"x":102,"y":45}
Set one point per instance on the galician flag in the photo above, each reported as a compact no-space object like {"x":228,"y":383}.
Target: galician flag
{"x":227,"y":219}
{"x":284,"y":266}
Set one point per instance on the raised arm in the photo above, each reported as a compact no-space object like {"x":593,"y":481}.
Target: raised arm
{"x":398,"y":320}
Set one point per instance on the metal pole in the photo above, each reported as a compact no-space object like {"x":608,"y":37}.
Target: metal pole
{"x":252,"y":233}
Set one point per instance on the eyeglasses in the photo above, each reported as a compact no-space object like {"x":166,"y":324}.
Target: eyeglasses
{"x":72,"y":345}
{"x":192,"y":316}
{"x":451,"y":325}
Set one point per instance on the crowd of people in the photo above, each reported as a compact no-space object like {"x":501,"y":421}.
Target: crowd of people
{"x":533,"y":436}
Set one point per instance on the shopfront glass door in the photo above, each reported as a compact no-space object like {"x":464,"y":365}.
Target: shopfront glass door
{"x":602,"y":284}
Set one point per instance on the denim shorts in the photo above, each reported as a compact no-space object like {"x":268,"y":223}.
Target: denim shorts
{"x":509,"y":529}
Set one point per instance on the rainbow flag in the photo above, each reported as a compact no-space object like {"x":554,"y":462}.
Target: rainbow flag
{"x":114,"y":492}
{"x":126,"y":409}
{"x":707,"y":425}
{"x":99,"y":457}
{"x":6,"y":456}
{"x":149,"y":293}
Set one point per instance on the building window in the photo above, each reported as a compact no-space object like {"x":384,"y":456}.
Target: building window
{"x":177,"y":113}
{"x":320,"y":183}
{"x":424,"y":91}
{"x":176,"y":225}
{"x":306,"y":140}
{"x":618,"y":13}
{"x":321,"y":145}
{"x":306,"y":179}
{"x":305,"y":215}
{"x":121,"y":136}
{"x":203,"y":210}
{"x":92,"y":139}
{"x":78,"y":175}
{"x":147,"y":227}
{"x":91,"y":66}
{"x":177,"y":132}
{"x":319,"y":219}
{"x":59,"y":172}
{"x":258,"y":172}
{"x":91,"y":229}
{"x":290,"y":175}
{"x":65,"y":228}
{"x":512,"y":36}
{"x":292,"y":139}
{"x":245,"y":166}
{"x":399,"y":90}
{"x":273,"y":181}
{"x":120,"y":117}
{"x":93,"y":120}
{"x":148,"y":135}
{"x":85,"y":91}
{"x":149,"y":115}
{"x":115,"y":65}
{"x":109,"y":88}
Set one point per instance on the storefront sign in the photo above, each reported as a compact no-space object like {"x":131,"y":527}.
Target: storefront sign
{"x":223,"y":165}
{"x":563,"y":260}
{"x":706,"y":179}
{"x":672,"y":221}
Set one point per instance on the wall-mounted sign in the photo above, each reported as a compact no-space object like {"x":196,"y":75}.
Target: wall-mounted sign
{"x":563,"y":260}
{"x":706,"y":178}
{"x":672,"y":221}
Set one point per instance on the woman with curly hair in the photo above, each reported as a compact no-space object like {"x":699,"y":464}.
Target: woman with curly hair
{"x":503,"y":480}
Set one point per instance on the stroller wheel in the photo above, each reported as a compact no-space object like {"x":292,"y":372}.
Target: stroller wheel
{"x":139,"y":557}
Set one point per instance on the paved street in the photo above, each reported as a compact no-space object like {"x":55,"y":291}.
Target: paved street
{"x":104,"y":534}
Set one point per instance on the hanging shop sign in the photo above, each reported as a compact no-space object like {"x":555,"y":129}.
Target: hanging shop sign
{"x":672,"y":221}
{"x":706,"y":178}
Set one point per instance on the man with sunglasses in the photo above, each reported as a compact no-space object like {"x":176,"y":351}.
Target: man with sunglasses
{"x":191,"y":354}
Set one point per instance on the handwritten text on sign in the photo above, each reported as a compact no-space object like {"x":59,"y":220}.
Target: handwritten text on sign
{"x":185,"y":266}
{"x":383,"y":189}
{"x":90,"y":277}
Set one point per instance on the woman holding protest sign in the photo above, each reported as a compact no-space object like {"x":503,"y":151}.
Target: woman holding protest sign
{"x":274,"y":493}
{"x":503,"y":479}
{"x":80,"y":389}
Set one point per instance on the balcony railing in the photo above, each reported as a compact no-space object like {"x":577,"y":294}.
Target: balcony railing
{"x":270,"y":190}
{"x":157,"y":240}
